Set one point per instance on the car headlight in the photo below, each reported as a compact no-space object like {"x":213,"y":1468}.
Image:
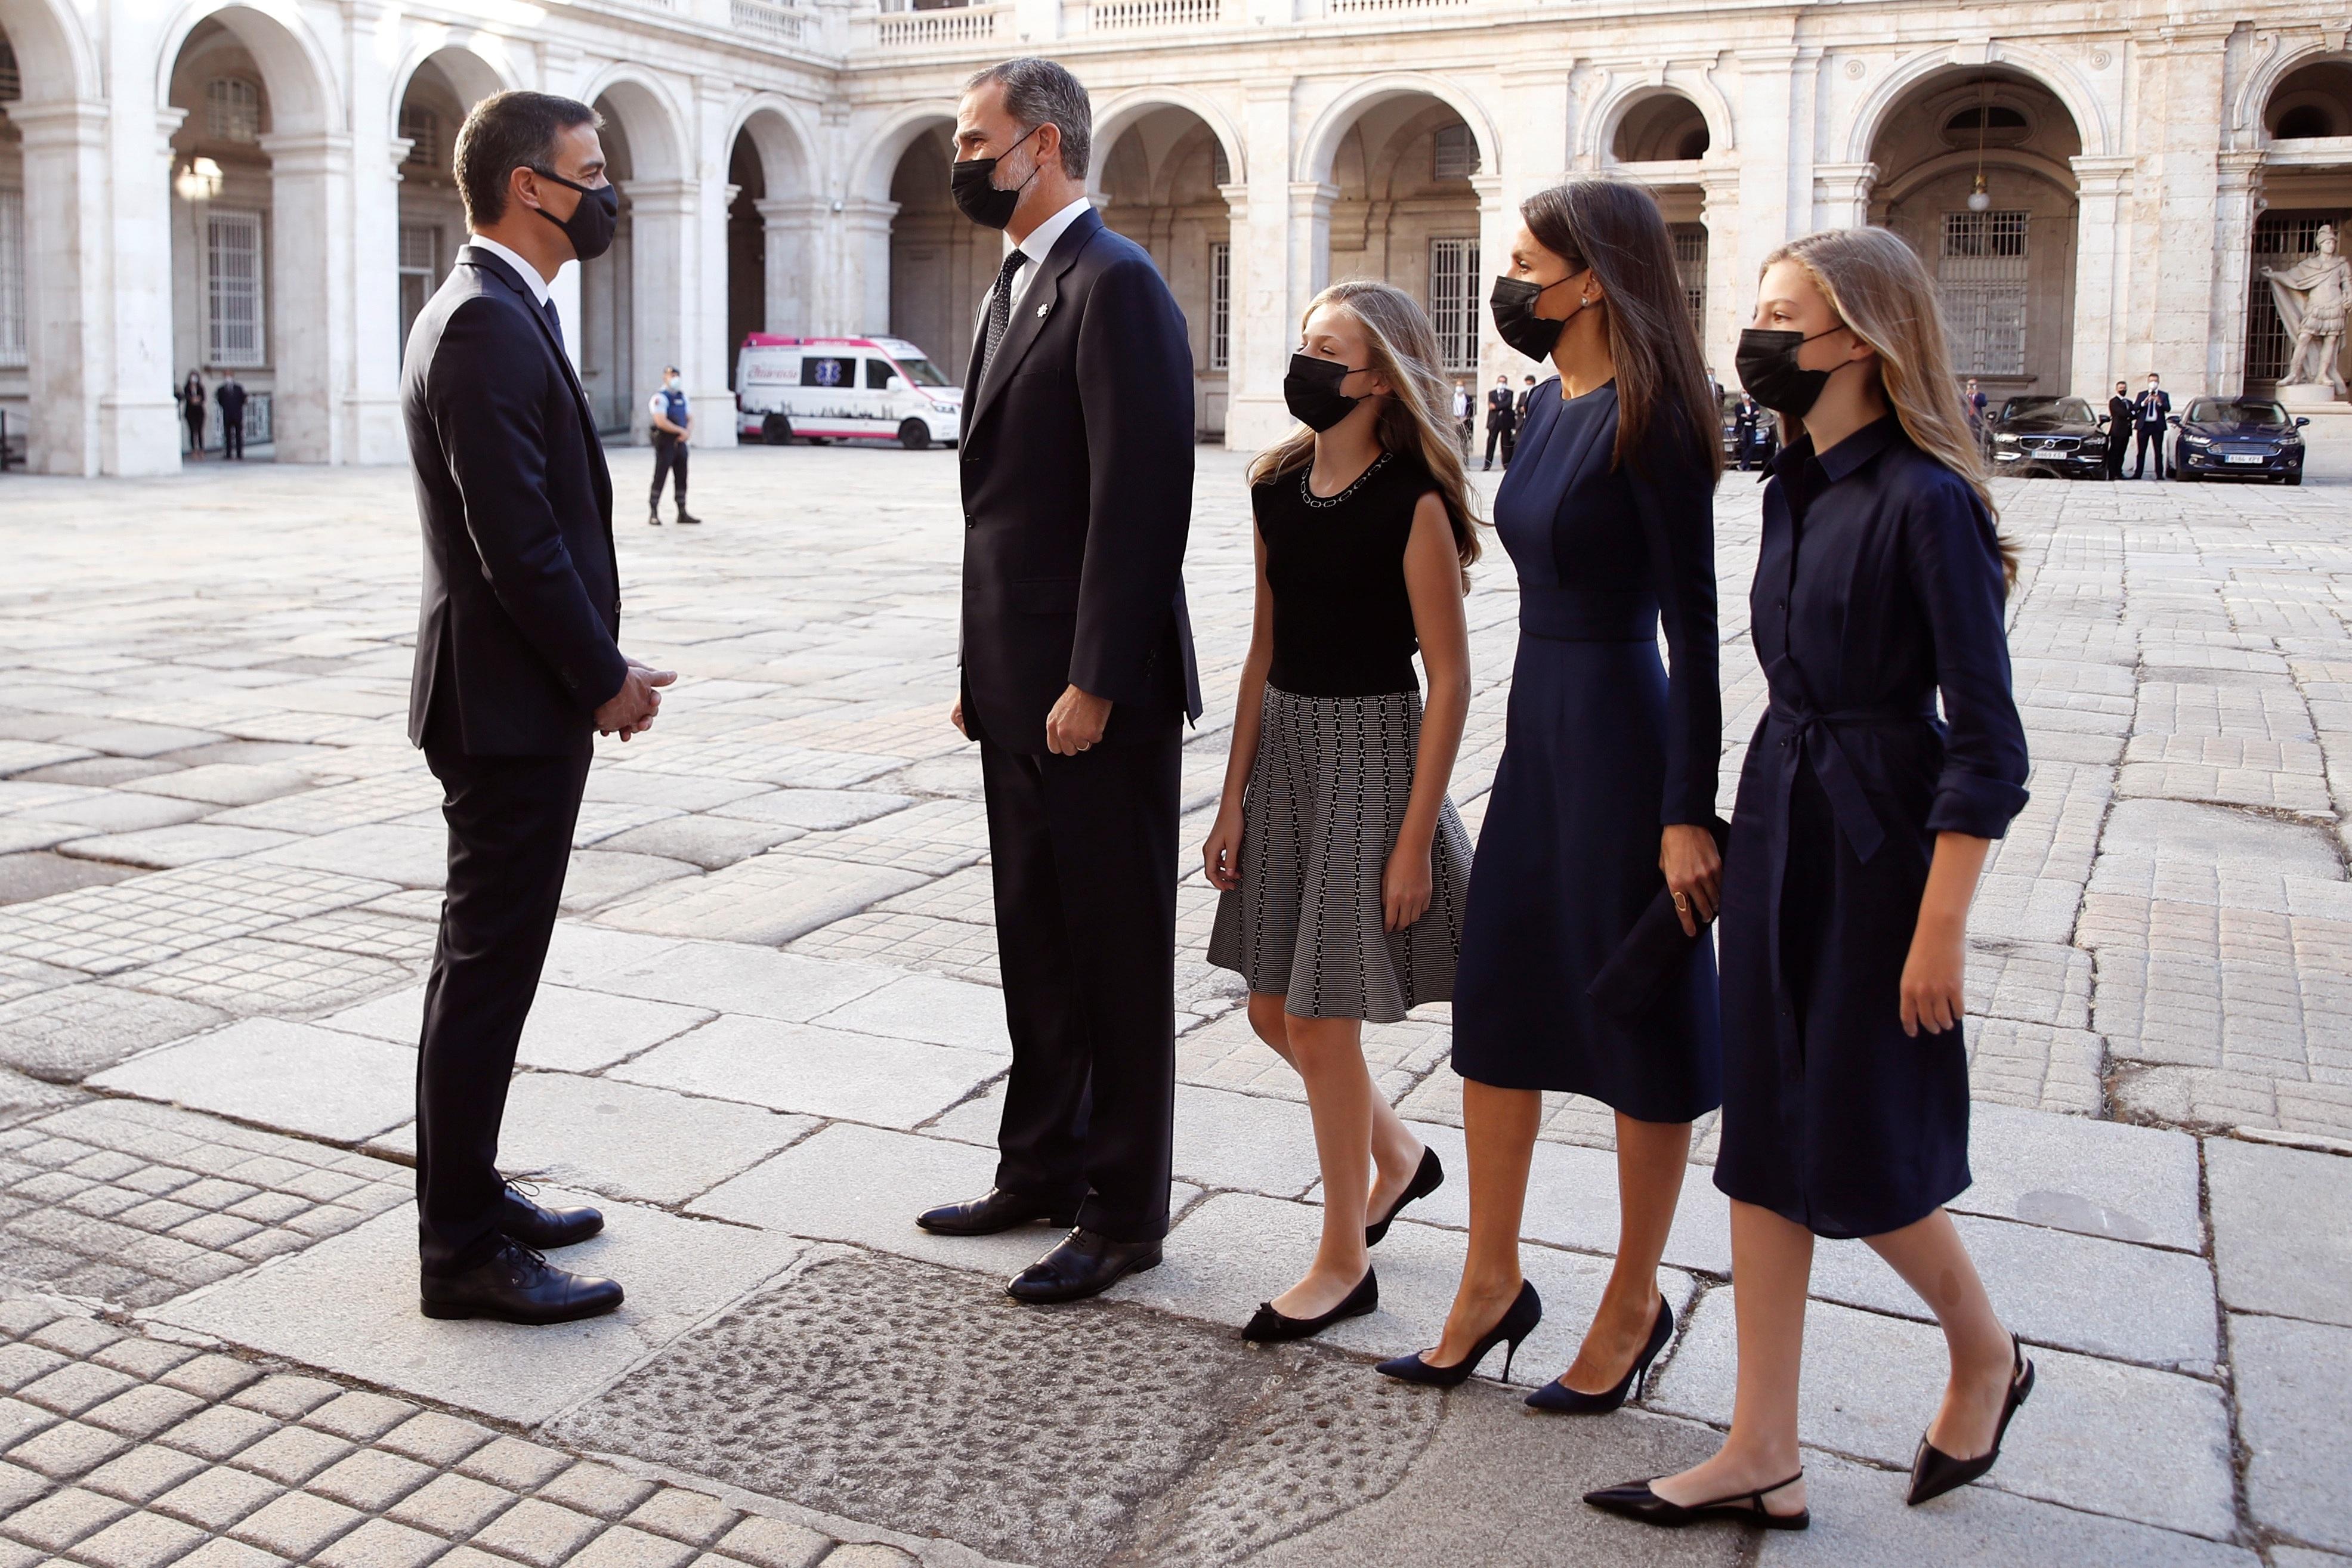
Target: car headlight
{"x":2197,"y":439}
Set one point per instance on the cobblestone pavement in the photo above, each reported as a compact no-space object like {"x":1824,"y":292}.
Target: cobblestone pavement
{"x":768,"y":1034}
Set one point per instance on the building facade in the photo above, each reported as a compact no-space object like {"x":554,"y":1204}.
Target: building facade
{"x":262,"y":186}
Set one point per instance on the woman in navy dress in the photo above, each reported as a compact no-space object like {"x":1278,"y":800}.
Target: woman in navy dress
{"x":1605,"y":794}
{"x":1862,"y":824}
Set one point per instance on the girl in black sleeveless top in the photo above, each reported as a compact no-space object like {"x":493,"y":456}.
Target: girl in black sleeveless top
{"x":1343,"y":866}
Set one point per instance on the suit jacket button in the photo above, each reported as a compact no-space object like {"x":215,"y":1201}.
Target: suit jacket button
{"x":968,"y":522}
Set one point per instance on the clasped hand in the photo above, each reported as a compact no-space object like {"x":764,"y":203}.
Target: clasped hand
{"x":631,"y":710}
{"x":1694,"y":872}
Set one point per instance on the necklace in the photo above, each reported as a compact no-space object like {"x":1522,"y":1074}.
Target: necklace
{"x":1306,"y":491}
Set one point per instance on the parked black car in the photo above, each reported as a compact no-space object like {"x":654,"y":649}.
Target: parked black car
{"x":2050,"y":436}
{"x":2237,"y":438}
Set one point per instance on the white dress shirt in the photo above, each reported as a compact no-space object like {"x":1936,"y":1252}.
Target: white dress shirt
{"x":1036,"y":247}
{"x":523,"y":270}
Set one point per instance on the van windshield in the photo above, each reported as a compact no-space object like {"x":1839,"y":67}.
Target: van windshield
{"x":922,"y":373}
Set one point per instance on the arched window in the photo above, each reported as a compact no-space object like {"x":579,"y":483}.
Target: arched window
{"x":232,"y":110}
{"x":422,"y":128}
{"x":1453,"y":153}
{"x":11,"y":86}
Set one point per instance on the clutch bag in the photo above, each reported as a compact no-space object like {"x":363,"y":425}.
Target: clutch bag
{"x":1652,"y":954}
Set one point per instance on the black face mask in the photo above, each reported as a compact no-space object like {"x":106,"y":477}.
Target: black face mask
{"x":1768,"y":370}
{"x":1311,"y":391}
{"x":1513,"y":303}
{"x":973,"y":184}
{"x":590,"y":227}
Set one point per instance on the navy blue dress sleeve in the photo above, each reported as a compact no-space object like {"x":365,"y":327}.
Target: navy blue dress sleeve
{"x":1953,"y":558}
{"x":1676,"y":497}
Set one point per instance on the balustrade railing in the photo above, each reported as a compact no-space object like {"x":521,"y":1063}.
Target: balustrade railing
{"x":766,"y":20}
{"x":1390,"y":7}
{"x":935,"y":29}
{"x":1140,"y":16}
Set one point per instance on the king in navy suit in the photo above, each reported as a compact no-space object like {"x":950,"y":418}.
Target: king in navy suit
{"x":517,"y":668}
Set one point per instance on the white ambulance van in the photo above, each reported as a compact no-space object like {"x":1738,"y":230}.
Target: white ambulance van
{"x":842,"y":389}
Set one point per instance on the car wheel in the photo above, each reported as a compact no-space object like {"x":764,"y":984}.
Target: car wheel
{"x":2293,"y":478}
{"x":776,"y":430}
{"x":914,"y":434}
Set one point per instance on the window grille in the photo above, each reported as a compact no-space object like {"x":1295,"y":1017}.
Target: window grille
{"x":233,"y":110}
{"x":1221,"y":306}
{"x":13,"y":352}
{"x":1690,"y":268}
{"x":420,"y":272}
{"x":422,"y":127}
{"x":1981,"y":280}
{"x":1453,"y":153}
{"x":12,"y":84}
{"x":233,"y":317}
{"x":1454,"y":300}
{"x":1220,"y":168}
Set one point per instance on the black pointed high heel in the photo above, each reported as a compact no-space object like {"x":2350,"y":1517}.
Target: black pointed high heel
{"x":1636,"y":1501}
{"x":1520,"y":1320}
{"x":1935,"y":1472}
{"x":1425,"y":1180}
{"x":1270,"y":1327}
{"x":1559,"y":1396}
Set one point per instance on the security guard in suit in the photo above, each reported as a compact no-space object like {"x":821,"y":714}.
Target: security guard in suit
{"x":2119,"y":428}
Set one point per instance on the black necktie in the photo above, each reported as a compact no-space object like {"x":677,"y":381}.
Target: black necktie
{"x":1000,"y":309}
{"x":554,"y":320}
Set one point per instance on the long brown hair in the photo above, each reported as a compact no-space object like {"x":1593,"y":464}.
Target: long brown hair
{"x":1616,"y":229}
{"x":1414,"y":418}
{"x":1877,"y":286}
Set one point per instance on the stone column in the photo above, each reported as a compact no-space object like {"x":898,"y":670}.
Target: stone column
{"x":706,"y":348}
{"x":67,"y":300}
{"x":128,"y":189}
{"x":793,"y":228}
{"x":307,"y":291}
{"x":2179,"y":99}
{"x":2103,"y":275}
{"x":1264,"y":321}
{"x":1842,"y":194}
{"x":1770,"y":210}
{"x":1237,"y":261}
{"x":863,"y":306}
{"x":1498,"y":223}
{"x":367,"y":401}
{"x":663,"y":308}
{"x":1730,"y":280}
{"x":2239,"y":204}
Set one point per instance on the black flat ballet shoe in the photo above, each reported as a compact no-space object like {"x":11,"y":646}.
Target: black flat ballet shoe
{"x":1935,"y":1472}
{"x":1426,"y":1180}
{"x":516,"y":1285}
{"x":1560,"y":1397}
{"x":535,"y":1225}
{"x":1639,"y":1503}
{"x":993,"y":1211}
{"x":1270,"y":1327}
{"x":1520,"y":1320}
{"x":1086,"y":1263}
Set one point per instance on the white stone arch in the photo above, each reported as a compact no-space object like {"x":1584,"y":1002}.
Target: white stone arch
{"x":55,"y":61}
{"x":2055,"y":75}
{"x":477,"y":65}
{"x":878,"y":161}
{"x":2261,"y":83}
{"x":1317,"y":149}
{"x":781,"y":136}
{"x":297,"y":72}
{"x":1119,"y":116}
{"x":1607,"y":118}
{"x":651,"y":118}
{"x":1995,"y":160}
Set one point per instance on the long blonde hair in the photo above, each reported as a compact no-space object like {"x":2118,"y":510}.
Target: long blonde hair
{"x":1415,"y":418}
{"x":1876,"y":286}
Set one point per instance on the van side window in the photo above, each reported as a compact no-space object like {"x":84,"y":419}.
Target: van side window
{"x":826,"y":370}
{"x":878,"y":375}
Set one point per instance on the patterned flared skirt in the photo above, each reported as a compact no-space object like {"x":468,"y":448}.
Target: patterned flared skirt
{"x":1326,"y":798}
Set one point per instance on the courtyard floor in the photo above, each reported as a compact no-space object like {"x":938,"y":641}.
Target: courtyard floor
{"x":768,"y":1035}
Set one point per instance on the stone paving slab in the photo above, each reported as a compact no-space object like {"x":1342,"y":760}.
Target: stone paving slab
{"x":348,"y":1305}
{"x":818,"y":1071}
{"x":935,"y":1010}
{"x":2280,"y":1244}
{"x":2129,"y":1184}
{"x":161,"y":849}
{"x":569,"y":1030}
{"x":2097,"y":1435}
{"x":769,"y":898}
{"x":1572,"y":1202}
{"x":728,"y":978}
{"x":65,"y":1033}
{"x":2291,"y":1378}
{"x":320,"y":1083}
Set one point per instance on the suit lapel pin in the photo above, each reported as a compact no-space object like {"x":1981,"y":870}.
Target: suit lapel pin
{"x":1042,"y":308}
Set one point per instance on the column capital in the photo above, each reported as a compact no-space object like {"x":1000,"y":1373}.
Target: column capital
{"x":69,"y":122}
{"x":653,"y":198}
{"x":308,"y":152}
{"x":1313,"y":197}
{"x":792,"y":209}
{"x":2101,"y":176}
{"x":1237,"y":199}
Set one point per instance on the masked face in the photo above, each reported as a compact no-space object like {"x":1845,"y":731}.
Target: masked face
{"x":972,"y":185}
{"x":593,"y":217}
{"x":1513,"y":303}
{"x":1312,"y":391}
{"x":1768,"y":368}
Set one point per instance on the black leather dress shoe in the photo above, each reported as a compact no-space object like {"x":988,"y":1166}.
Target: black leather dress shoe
{"x":518,"y":1286}
{"x":1087,"y":1263}
{"x":536,"y":1225}
{"x":994,"y":1210}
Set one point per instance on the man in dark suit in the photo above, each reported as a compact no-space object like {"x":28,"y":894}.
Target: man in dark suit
{"x":2150,"y":409}
{"x":1502,"y":420}
{"x":516,"y":671}
{"x":1743,"y":431}
{"x":231,"y":398}
{"x":1077,"y":464}
{"x":2119,"y":429}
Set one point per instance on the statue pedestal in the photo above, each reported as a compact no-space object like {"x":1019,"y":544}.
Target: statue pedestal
{"x":2312,"y":400}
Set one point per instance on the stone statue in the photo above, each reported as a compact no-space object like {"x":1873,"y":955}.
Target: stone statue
{"x":2312,"y":297}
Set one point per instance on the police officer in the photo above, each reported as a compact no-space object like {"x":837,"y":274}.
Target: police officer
{"x":230,"y":396}
{"x":2151,"y":409}
{"x":673,"y":424}
{"x":2119,"y":429}
{"x":1502,"y":421}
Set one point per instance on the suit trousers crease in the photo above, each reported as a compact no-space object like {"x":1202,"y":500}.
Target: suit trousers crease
{"x":1083,"y":853}
{"x":510,"y":824}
